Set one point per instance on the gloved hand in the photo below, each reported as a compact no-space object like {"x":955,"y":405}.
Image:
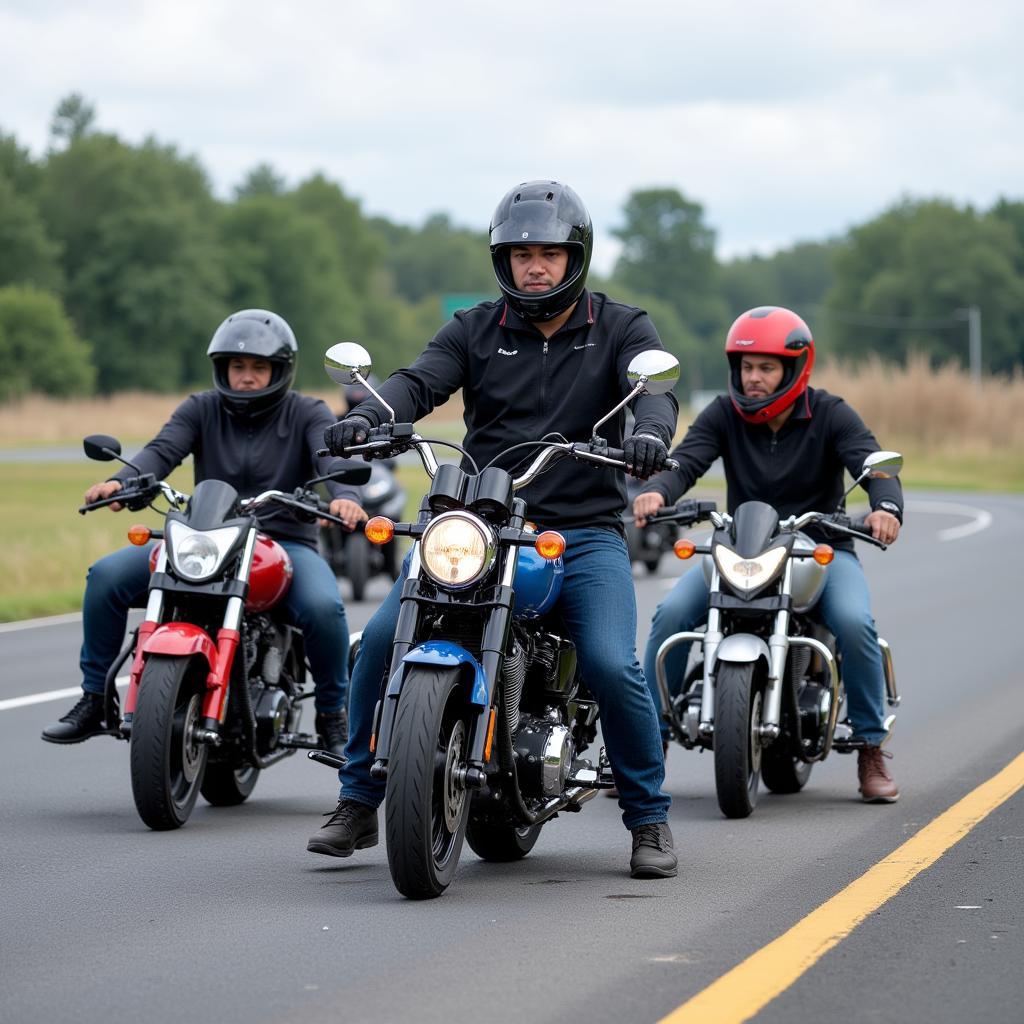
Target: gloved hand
{"x":352,"y":430}
{"x":645,"y":454}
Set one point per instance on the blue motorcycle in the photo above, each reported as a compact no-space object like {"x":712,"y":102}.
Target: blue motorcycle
{"x":480,"y":729}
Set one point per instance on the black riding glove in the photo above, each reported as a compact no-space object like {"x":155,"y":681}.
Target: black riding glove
{"x":645,"y":454}
{"x":352,"y":430}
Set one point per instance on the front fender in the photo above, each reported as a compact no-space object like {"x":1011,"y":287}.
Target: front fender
{"x":742,"y":649}
{"x":182,"y":639}
{"x":443,"y":654}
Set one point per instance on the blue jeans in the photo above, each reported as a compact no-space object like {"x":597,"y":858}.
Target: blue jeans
{"x":599,"y":606}
{"x":845,"y":608}
{"x":120,"y":581}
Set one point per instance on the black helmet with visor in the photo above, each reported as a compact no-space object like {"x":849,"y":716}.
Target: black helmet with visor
{"x":542,"y":213}
{"x":262,"y":335}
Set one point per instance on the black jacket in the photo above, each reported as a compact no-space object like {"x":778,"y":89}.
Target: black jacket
{"x":518,"y":386}
{"x":269,"y":452}
{"x":798,"y":469}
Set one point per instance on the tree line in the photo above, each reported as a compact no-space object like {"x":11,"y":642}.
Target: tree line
{"x":117,"y":262}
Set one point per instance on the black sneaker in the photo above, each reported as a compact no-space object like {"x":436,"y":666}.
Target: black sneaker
{"x":352,"y":826}
{"x":85,"y":719}
{"x":332,"y":728}
{"x":653,"y":852}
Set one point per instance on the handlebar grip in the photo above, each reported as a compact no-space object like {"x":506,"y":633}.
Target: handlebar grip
{"x":859,"y":526}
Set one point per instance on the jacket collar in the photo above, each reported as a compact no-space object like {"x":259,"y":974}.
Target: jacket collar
{"x":582,"y":316}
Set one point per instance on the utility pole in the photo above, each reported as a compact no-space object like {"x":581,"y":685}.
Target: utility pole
{"x":972,"y":314}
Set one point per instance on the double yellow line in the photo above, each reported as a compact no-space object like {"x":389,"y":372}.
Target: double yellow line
{"x":750,"y":986}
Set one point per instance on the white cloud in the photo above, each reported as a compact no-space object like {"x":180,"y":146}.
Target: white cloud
{"x":787,"y":121}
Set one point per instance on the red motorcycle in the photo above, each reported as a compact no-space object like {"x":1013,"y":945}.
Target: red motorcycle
{"x":217,"y":674}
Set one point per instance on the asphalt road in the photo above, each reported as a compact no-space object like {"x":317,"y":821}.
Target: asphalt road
{"x":230,"y":919}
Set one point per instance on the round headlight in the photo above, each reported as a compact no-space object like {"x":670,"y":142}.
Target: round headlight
{"x":456,"y":549}
{"x":196,"y":556}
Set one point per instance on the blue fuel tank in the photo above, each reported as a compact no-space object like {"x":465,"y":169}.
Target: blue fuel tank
{"x":538,"y":584}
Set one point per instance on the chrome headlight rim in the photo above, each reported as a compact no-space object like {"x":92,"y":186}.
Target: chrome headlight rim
{"x":471,"y":521}
{"x":748,"y":575}
{"x":220,"y":541}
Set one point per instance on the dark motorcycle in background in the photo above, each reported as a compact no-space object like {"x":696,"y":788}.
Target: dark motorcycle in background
{"x":217,"y":674}
{"x":481,"y":724}
{"x":350,"y":554}
{"x":647,"y":545}
{"x":765,"y":694}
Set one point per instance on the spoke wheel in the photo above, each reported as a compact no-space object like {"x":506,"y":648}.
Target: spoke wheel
{"x":737,"y":743}
{"x":167,"y":762}
{"x":427,"y":803}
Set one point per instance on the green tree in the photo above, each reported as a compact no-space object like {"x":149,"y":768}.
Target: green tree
{"x":903,"y":279}
{"x":27,"y":254}
{"x":281,"y":259}
{"x":262,"y":180}
{"x":72,"y":119}
{"x":145,"y":276}
{"x":39,"y":349}
{"x":18,"y":167}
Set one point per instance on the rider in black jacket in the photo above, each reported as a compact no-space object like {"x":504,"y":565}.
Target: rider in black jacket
{"x":787,"y":444}
{"x":549,"y":357}
{"x":255,"y":433}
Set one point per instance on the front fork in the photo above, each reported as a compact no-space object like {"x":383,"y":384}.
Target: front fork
{"x":492,"y":650}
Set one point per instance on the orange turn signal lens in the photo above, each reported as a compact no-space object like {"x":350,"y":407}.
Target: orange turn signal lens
{"x":490,"y":735}
{"x":823,"y":554}
{"x":550,"y":544}
{"x":139,"y":534}
{"x":379,"y":530}
{"x":684,"y":548}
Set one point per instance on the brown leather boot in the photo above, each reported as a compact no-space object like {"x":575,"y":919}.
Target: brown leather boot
{"x":876,"y":784}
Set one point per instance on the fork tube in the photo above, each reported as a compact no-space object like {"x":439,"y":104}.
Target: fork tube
{"x":778,"y":646}
{"x":712,"y":638}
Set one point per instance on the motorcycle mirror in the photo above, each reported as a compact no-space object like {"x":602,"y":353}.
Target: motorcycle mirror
{"x":882,"y":465}
{"x":101,"y":447}
{"x":347,"y":363}
{"x":658,"y":371}
{"x":653,"y":372}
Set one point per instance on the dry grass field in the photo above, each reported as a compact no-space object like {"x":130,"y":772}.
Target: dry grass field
{"x":954,"y":434}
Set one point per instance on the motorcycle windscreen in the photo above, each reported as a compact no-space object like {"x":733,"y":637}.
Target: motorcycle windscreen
{"x":753,"y":527}
{"x":211,"y":505}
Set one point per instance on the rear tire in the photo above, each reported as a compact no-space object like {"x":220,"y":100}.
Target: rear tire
{"x":426,"y":805}
{"x":225,"y":786}
{"x":501,"y":843}
{"x":737,"y":744}
{"x":167,"y":763}
{"x":781,"y":771}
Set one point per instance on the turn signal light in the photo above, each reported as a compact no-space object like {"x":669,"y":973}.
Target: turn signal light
{"x":684,"y":548}
{"x":550,"y":545}
{"x":139,"y":534}
{"x":823,"y":554}
{"x":379,"y":530}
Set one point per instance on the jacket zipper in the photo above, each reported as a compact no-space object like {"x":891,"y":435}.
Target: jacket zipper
{"x":544,"y":379}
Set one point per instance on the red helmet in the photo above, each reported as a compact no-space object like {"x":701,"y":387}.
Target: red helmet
{"x":770,"y":331}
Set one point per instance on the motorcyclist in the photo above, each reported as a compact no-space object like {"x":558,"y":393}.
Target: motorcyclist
{"x":787,"y":444}
{"x":252,"y":431}
{"x":549,"y":356}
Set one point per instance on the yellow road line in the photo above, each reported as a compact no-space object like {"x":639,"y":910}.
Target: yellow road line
{"x":750,"y":986}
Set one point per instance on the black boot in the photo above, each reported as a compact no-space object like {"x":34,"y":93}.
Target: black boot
{"x":352,"y":826}
{"x":85,"y":719}
{"x":653,"y":852}
{"x":332,"y":728}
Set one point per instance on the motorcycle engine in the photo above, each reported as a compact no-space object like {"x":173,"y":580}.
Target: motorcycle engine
{"x":272,"y":709}
{"x":543,"y":750}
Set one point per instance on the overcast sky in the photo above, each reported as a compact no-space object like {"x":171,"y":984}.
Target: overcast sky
{"x":787,"y":121}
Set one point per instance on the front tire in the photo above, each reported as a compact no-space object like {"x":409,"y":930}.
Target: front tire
{"x":167,"y":762}
{"x":501,"y":843}
{"x":357,"y":563}
{"x":426,"y":804}
{"x":737,"y":743}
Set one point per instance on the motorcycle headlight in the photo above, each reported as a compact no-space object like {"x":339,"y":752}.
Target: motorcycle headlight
{"x":198,"y":554}
{"x":456,"y":549}
{"x":747,"y":574}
